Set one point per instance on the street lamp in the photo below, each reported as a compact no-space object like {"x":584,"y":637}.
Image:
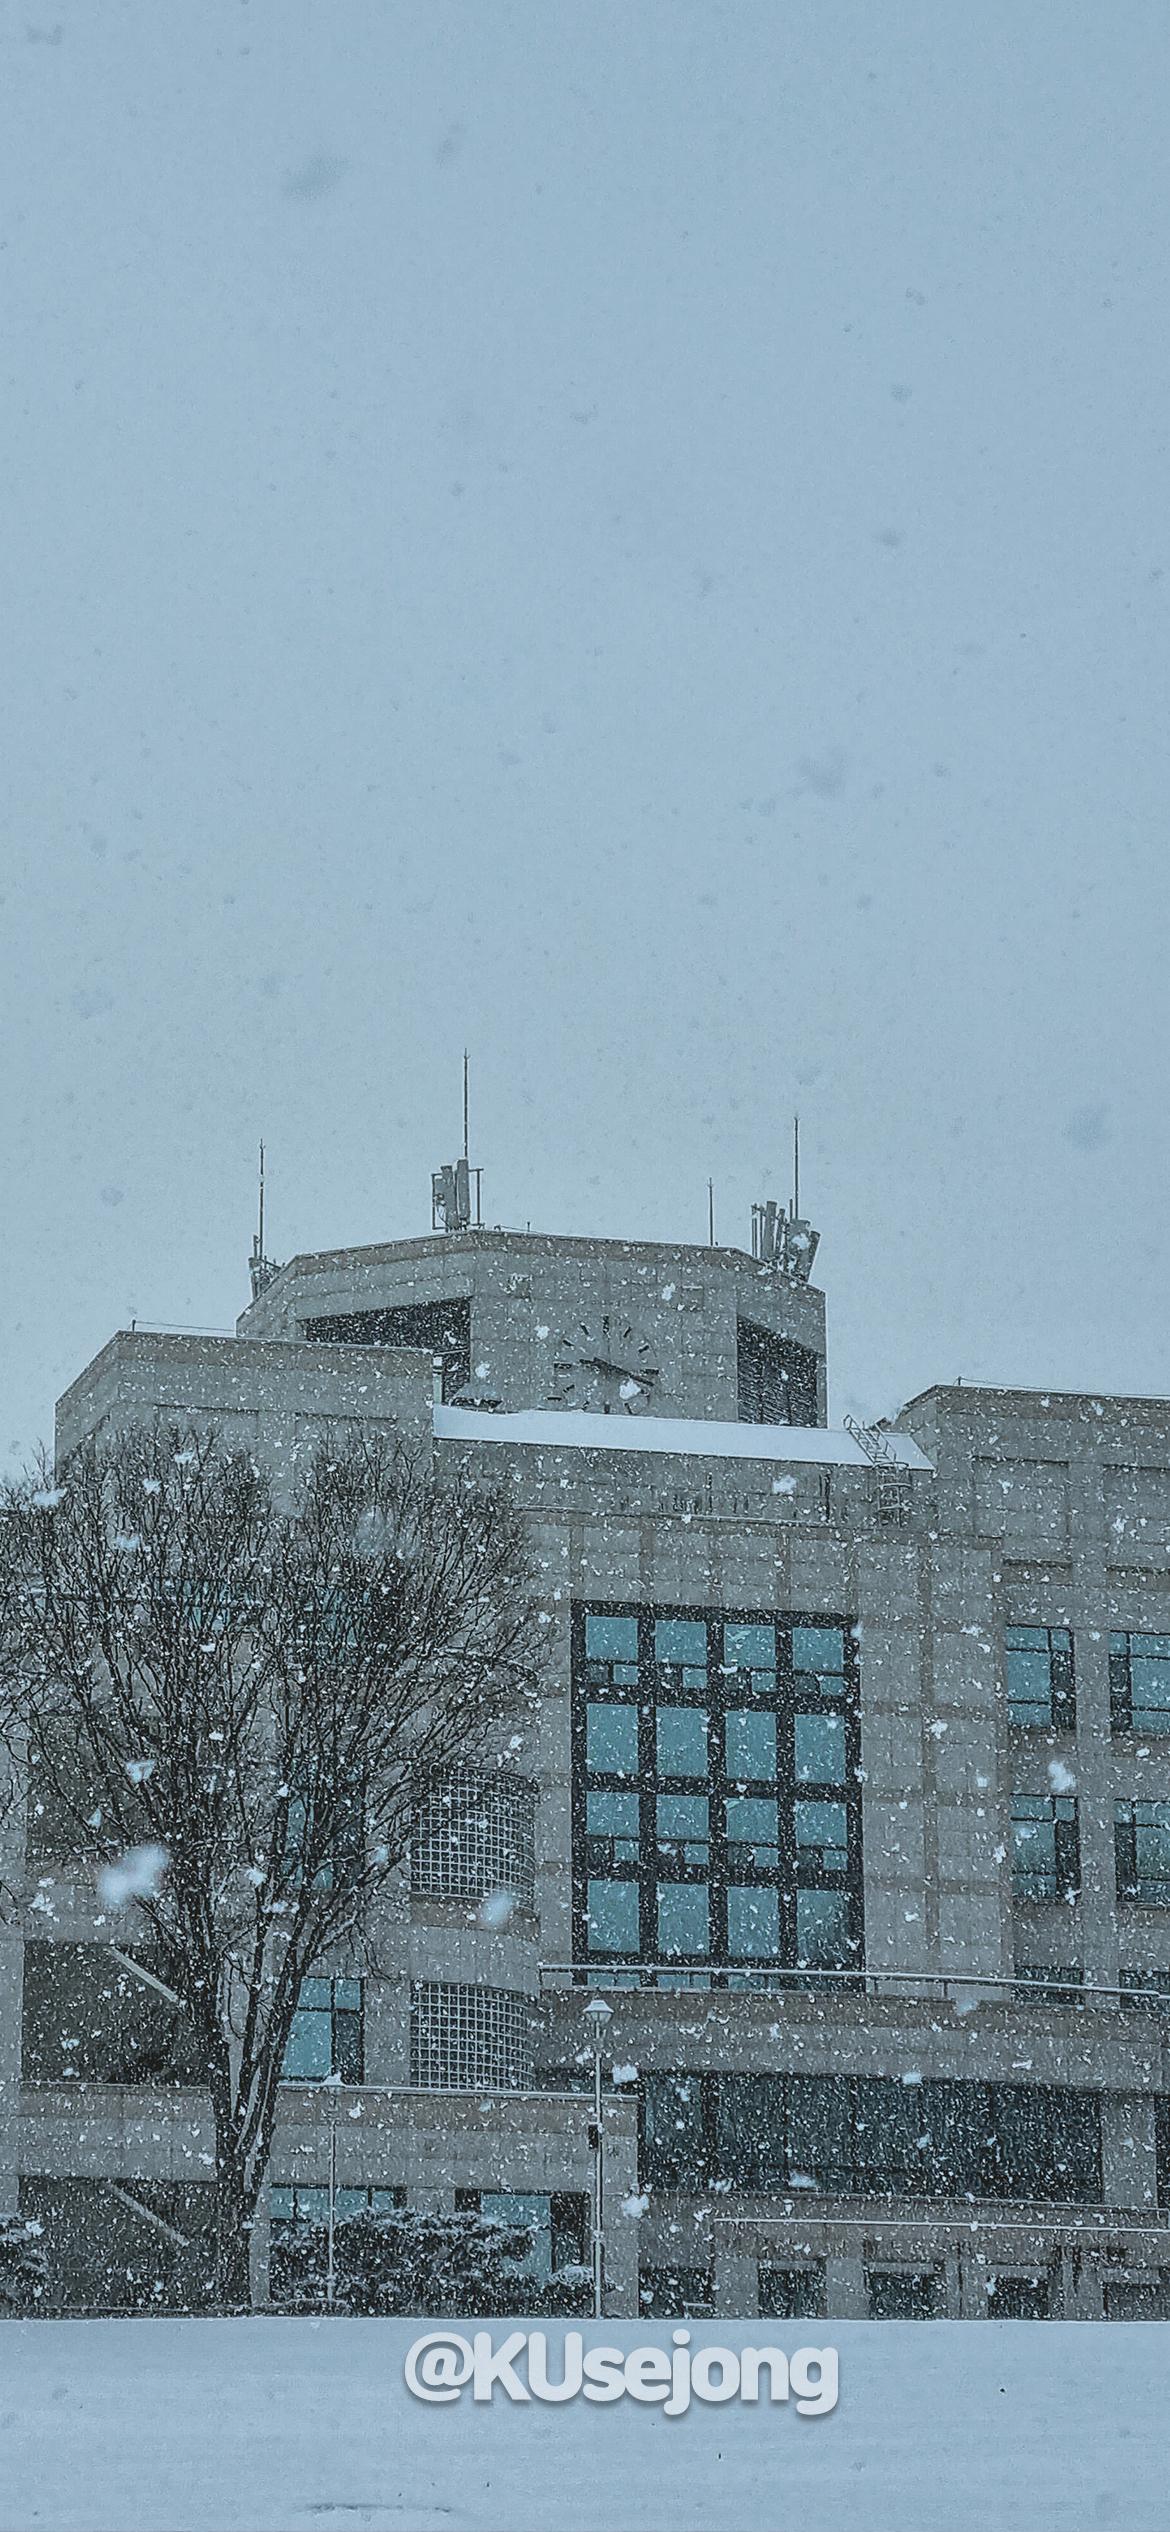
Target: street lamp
{"x":598,"y":2013}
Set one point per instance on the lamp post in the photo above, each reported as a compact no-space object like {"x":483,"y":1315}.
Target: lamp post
{"x":598,"y":2014}
{"x":331,"y":2083}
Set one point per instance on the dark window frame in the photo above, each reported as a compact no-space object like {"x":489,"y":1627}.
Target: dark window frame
{"x":347,"y":2028}
{"x":1045,"y":1886}
{"x":1062,"y":1696}
{"x":720,"y":1692}
{"x":1124,"y":1644}
{"x":1136,"y":1888}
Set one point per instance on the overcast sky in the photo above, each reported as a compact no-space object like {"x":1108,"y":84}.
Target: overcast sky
{"x":634,"y":535}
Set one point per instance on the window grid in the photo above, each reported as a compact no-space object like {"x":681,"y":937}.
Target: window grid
{"x":474,"y":1834}
{"x":1040,"y":1682}
{"x":717,"y":1807}
{"x":469,"y":2039}
{"x":1139,"y":1682}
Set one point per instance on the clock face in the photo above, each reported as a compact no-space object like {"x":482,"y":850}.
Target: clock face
{"x":604,"y":1365}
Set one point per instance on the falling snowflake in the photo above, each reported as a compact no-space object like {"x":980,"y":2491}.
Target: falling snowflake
{"x":137,"y":1875}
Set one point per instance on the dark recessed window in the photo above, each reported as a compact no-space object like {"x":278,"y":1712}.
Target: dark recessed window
{"x":1039,"y":1665}
{"x":904,"y":2294}
{"x":871,"y":2136}
{"x":1142,"y":1840}
{"x":792,"y":2294}
{"x":777,"y":1377}
{"x":1050,"y":1983}
{"x":1019,"y":2298}
{"x":717,"y":1809}
{"x":436,"y":1327}
{"x":1139,"y":1683}
{"x":1046,"y":1857}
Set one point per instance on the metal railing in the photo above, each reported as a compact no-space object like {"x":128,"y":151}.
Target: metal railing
{"x":662,"y":1977}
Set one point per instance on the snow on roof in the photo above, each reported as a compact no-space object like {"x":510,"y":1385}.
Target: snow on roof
{"x":680,"y":1435}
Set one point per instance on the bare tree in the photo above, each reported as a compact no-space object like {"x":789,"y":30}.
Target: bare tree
{"x":230,"y":1707}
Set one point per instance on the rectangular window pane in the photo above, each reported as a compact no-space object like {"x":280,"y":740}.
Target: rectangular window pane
{"x":682,"y":1827}
{"x":753,"y":1923}
{"x":1029,"y":1686}
{"x":613,"y":1916}
{"x":750,"y":2128}
{"x":819,"y":1648}
{"x":683,"y":1920}
{"x":611,"y":1639}
{"x":822,"y":1929}
{"x":749,"y":1648}
{"x":751,"y":1746}
{"x":681,"y":1640}
{"x":820,"y":1749}
{"x":822,"y":1834}
{"x":612,"y":1814}
{"x":682,"y":1741}
{"x":1149,"y":1688}
{"x":674,"y":2130}
{"x":611,"y":1740}
{"x":820,"y":2129}
{"x":752,"y":1824}
{"x":308,"y":2057}
{"x":612,"y":1827}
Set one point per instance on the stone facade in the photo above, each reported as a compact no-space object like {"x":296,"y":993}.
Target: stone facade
{"x":874,"y":2040}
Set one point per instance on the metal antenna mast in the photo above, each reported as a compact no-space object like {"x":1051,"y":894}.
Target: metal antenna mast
{"x":711,"y":1213}
{"x":261,"y":1268}
{"x":796,"y":1169}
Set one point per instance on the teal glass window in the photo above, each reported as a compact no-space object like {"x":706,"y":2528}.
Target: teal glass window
{"x":819,"y":1749}
{"x":611,"y":1639}
{"x":613,"y":1916}
{"x":684,"y":1920}
{"x":752,"y":1832}
{"x":753,"y":1923}
{"x":822,"y":1929}
{"x":750,"y":1746}
{"x":611,"y":1740}
{"x":822,"y":1835}
{"x":682,"y":1741}
{"x":683,"y":1827}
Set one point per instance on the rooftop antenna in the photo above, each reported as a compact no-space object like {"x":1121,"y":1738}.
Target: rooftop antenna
{"x":796,"y":1169}
{"x":261,"y":1268}
{"x":451,"y":1187}
{"x":711,"y":1213}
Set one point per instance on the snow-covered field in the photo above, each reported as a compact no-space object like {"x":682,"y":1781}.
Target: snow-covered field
{"x":275,"y":2426}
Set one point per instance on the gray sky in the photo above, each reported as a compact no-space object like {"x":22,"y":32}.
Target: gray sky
{"x":634,"y":535}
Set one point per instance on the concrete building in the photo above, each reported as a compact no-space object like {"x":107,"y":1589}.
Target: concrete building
{"x":849,"y":1801}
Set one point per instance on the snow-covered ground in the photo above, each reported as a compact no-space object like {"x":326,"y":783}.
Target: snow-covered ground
{"x":302,"y":2426}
